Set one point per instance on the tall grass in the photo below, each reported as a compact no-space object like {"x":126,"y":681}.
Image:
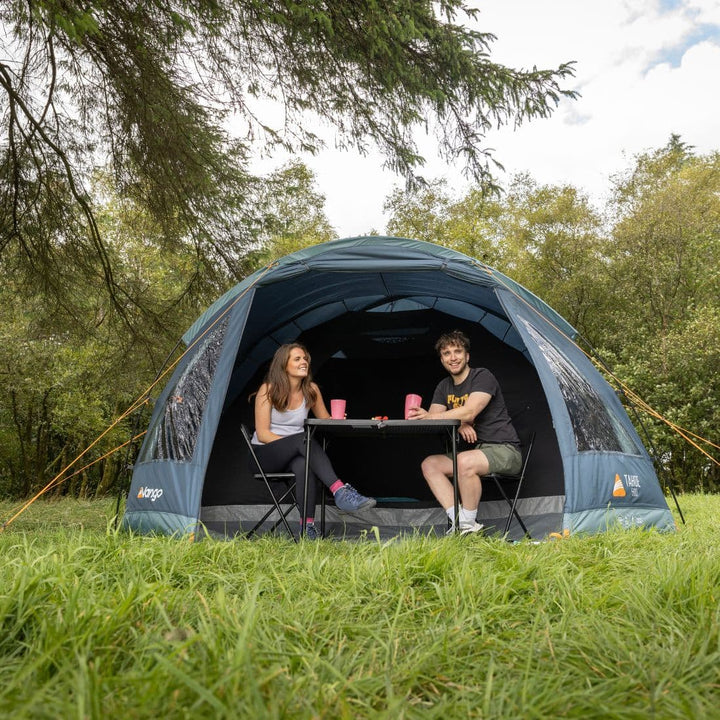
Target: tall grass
{"x":101,"y":623}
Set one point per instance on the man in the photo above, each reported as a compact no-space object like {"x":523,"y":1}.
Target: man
{"x":489,"y":443}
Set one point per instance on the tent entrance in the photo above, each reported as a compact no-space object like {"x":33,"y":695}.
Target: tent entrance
{"x":373,"y":359}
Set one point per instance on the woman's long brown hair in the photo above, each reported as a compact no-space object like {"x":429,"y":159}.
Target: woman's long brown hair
{"x":278,"y":382}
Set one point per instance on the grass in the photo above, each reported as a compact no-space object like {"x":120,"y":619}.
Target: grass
{"x":101,"y":623}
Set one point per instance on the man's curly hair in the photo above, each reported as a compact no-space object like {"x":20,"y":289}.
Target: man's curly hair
{"x":455,"y":337}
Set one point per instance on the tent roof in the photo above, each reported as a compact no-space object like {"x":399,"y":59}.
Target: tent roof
{"x":375,"y":273}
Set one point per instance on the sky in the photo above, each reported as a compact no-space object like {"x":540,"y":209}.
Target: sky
{"x":645,"y":69}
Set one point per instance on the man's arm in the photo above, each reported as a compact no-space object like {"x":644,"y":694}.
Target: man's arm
{"x":474,"y":405}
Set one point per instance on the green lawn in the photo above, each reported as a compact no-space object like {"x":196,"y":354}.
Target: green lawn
{"x":104,"y":624}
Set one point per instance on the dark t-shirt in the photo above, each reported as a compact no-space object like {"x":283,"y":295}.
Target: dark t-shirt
{"x":493,"y":424}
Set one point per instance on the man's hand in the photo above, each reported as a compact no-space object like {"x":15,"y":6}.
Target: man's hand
{"x":467,"y":433}
{"x":417,"y":413}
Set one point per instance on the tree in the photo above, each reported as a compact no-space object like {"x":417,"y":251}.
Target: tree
{"x":432,"y":213}
{"x":663,"y":321}
{"x":548,"y":238}
{"x":665,"y":246}
{"x":291,"y":212}
{"x":151,"y":87}
{"x":552,"y":242}
{"x":69,"y":371}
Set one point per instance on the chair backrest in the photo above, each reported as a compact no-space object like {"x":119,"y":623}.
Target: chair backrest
{"x":248,"y":441}
{"x":260,"y":472}
{"x":526,"y":459}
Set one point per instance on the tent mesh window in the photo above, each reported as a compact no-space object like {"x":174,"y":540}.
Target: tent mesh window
{"x":595,"y":425}
{"x":173,"y":433}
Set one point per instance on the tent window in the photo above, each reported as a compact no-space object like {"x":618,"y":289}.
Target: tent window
{"x":174,"y":432}
{"x":596,"y":426}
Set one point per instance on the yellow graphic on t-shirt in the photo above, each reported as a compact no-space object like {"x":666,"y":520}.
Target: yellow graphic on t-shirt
{"x":456,"y":401}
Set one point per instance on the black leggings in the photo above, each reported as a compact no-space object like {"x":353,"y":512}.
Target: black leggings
{"x":288,"y":455}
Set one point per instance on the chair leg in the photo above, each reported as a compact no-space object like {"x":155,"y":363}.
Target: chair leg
{"x":283,"y":519}
{"x":323,"y":490}
{"x":513,"y":511}
{"x":283,"y":513}
{"x":511,"y":505}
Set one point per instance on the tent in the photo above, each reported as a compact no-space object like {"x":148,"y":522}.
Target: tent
{"x":370,"y":309}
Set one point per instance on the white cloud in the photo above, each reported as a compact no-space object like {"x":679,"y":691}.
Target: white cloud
{"x":645,"y":69}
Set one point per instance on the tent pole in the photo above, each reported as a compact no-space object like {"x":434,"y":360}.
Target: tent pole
{"x":668,"y":473}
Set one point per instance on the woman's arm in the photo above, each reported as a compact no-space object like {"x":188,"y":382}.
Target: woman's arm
{"x":318,"y":409}
{"x":262,"y":416}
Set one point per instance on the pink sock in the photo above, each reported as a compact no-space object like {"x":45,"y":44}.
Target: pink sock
{"x":336,"y":486}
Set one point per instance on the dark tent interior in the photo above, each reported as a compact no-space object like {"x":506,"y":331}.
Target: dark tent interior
{"x":373,"y":359}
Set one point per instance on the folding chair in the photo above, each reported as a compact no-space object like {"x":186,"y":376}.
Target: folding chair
{"x":287,"y":482}
{"x":499,"y":479}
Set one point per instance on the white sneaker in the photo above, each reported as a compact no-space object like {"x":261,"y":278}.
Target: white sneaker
{"x":466,"y":528}
{"x":469,"y":528}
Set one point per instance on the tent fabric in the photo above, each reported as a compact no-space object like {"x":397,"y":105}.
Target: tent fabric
{"x":370,"y":309}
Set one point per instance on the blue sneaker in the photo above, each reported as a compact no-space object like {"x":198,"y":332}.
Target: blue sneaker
{"x":348,"y":499}
{"x":311,"y":532}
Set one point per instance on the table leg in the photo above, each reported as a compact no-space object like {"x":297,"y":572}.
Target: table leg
{"x":456,"y":494}
{"x":308,"y":445}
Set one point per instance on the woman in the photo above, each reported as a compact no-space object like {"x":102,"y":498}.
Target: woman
{"x":281,"y":405}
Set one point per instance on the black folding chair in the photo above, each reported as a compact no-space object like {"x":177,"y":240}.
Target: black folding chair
{"x":499,"y":479}
{"x":286,"y":483}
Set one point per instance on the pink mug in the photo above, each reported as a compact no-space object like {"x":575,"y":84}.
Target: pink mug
{"x":412,"y":401}
{"x":337,"y":409}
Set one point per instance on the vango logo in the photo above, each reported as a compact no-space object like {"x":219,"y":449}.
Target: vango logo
{"x":149,"y":493}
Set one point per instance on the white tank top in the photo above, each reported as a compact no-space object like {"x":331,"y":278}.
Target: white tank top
{"x":284,"y":423}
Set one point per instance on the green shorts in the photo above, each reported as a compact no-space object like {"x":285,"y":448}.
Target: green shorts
{"x":503,"y":458}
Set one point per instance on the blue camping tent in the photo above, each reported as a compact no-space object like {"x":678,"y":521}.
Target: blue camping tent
{"x":370,"y":310}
